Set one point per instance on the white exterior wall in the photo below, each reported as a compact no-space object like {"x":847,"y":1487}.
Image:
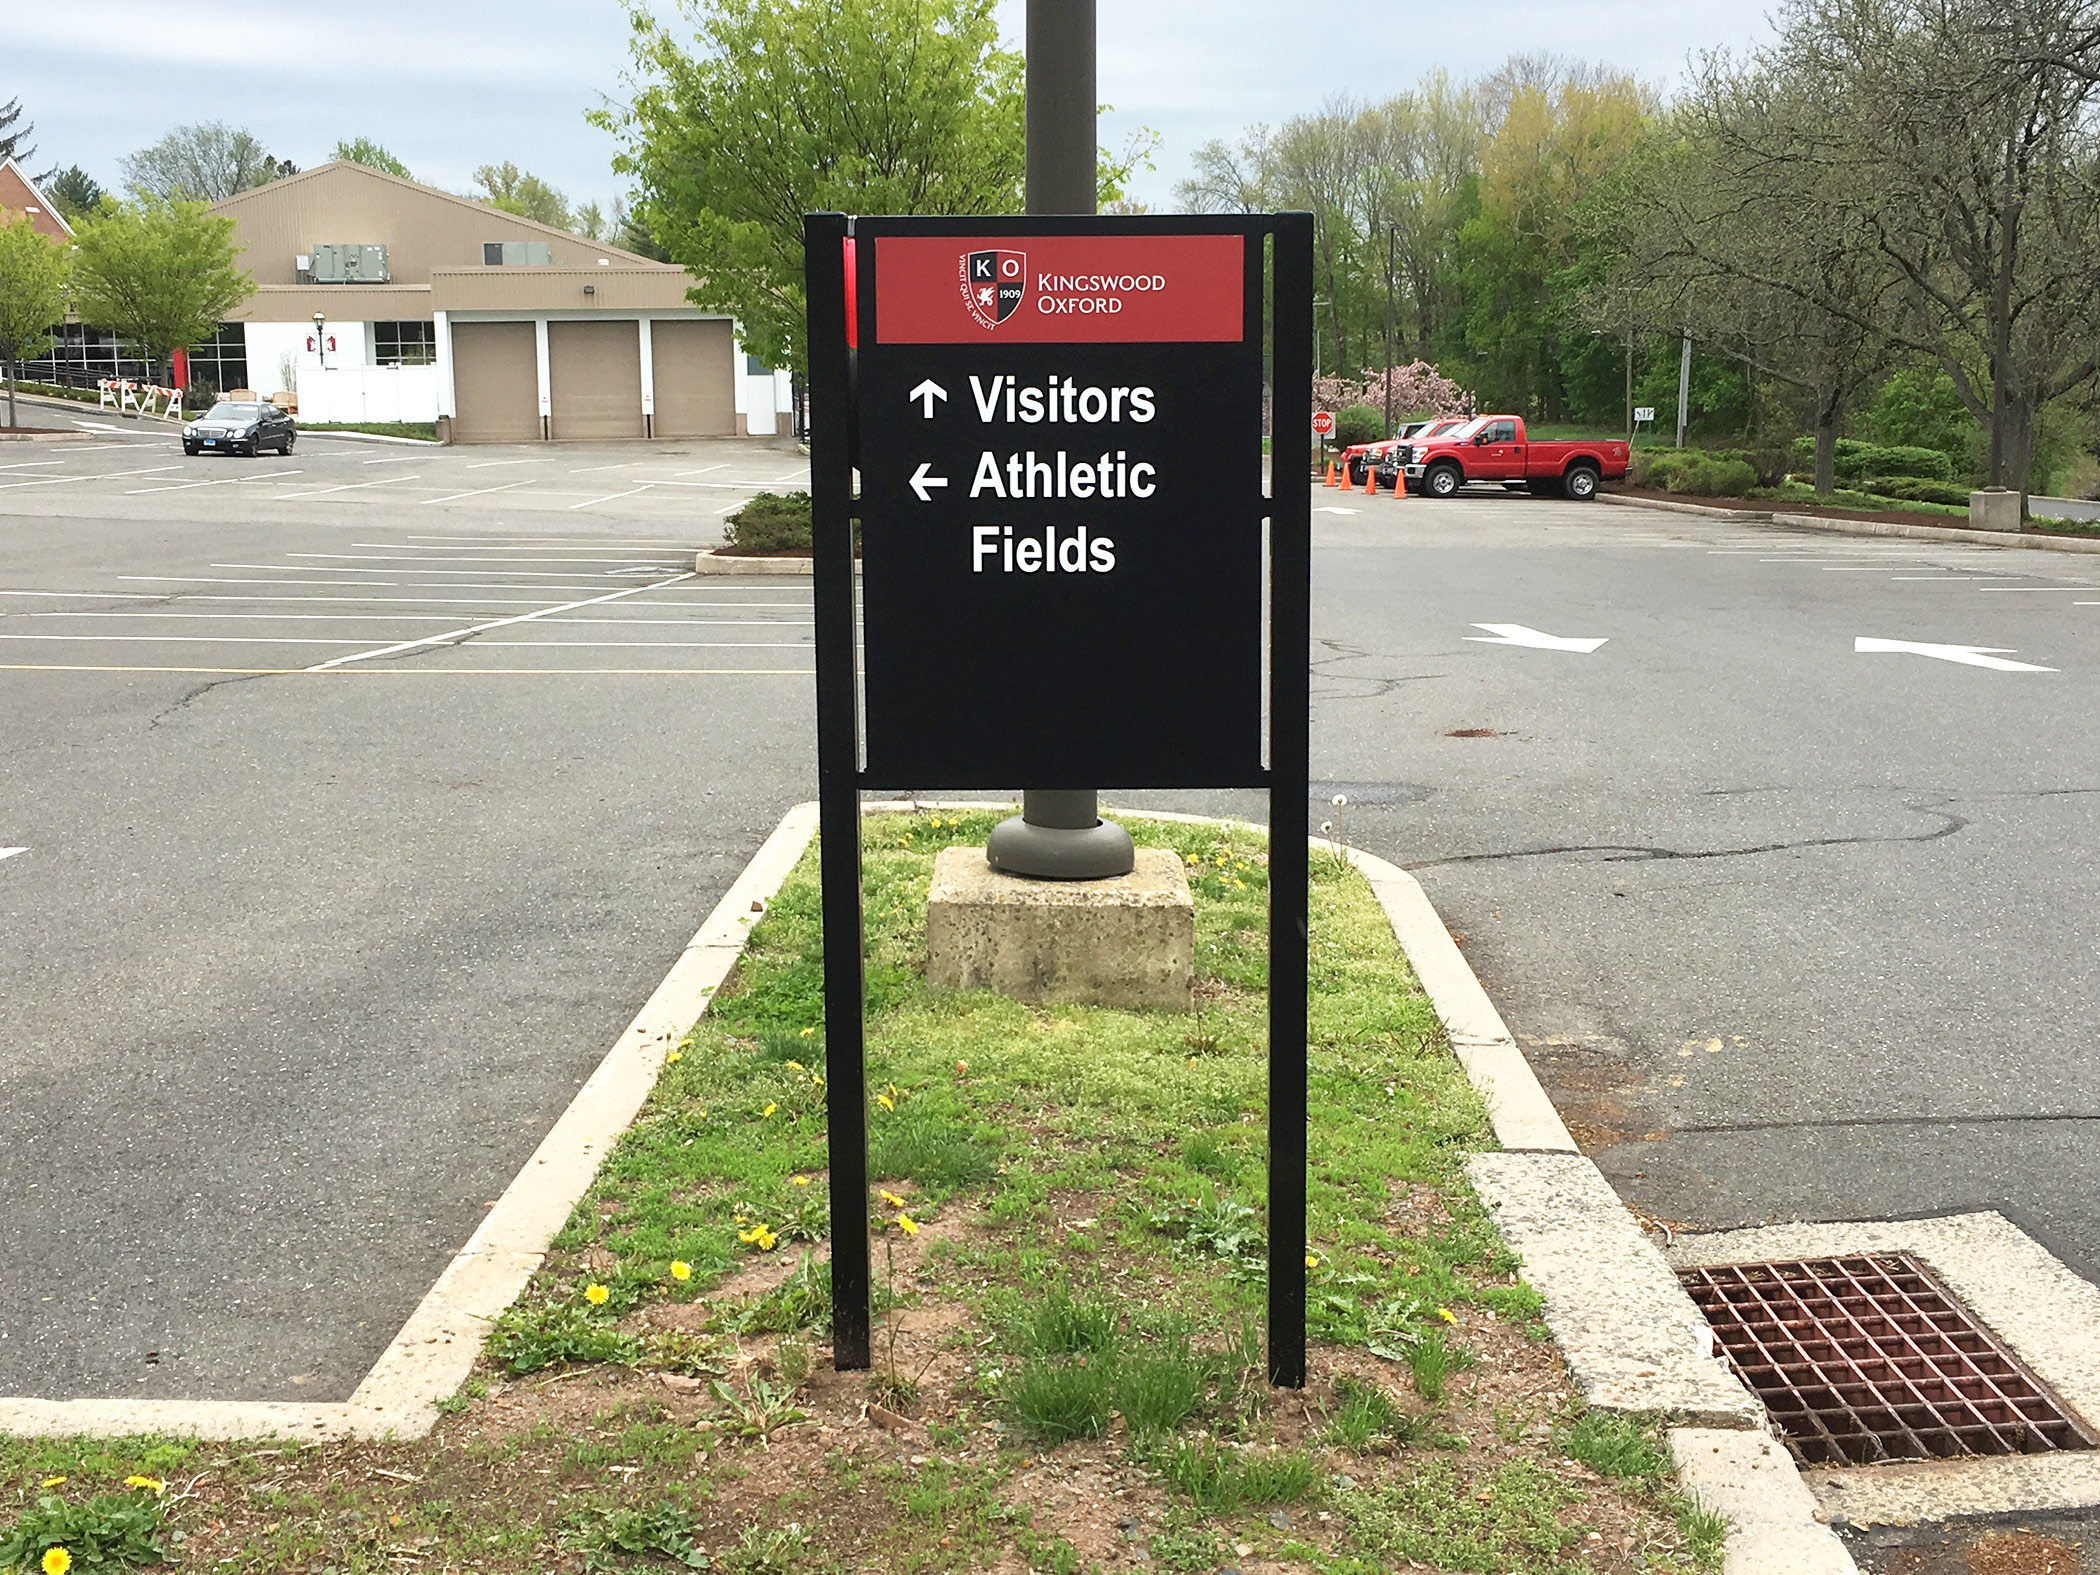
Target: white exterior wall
{"x":340,"y":386}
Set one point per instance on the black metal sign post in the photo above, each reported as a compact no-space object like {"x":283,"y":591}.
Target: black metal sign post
{"x":1056,"y":424}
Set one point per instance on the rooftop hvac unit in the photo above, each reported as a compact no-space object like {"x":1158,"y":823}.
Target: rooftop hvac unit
{"x":516,"y":254}
{"x":349,"y":264}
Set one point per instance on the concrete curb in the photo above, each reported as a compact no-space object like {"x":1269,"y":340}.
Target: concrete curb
{"x":435,"y":1349}
{"x":2041,"y":541}
{"x":708,"y":561}
{"x":1752,"y":1481}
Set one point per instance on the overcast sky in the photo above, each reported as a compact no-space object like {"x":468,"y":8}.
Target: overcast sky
{"x":453,"y":85}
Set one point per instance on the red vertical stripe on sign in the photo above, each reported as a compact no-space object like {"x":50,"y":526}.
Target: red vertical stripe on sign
{"x":852,"y":297}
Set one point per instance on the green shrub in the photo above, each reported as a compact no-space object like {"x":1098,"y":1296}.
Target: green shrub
{"x":1707,"y":476}
{"x":1856,"y":460}
{"x":527,"y":1339}
{"x":1915,"y":489}
{"x":771,"y":522}
{"x":1359,"y":424}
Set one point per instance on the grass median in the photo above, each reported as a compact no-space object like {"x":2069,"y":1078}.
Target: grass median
{"x":1070,"y":1247}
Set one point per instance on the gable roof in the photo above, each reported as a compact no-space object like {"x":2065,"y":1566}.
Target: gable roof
{"x":336,"y":167}
{"x":20,"y":194}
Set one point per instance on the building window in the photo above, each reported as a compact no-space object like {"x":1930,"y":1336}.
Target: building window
{"x":83,"y":356}
{"x":220,"y":362}
{"x":404,"y":344}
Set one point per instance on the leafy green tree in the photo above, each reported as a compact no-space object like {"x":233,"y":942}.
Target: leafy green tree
{"x":159,"y":274}
{"x":785,"y":107}
{"x":207,"y":162}
{"x":73,"y":191}
{"x":363,"y":150}
{"x":514,"y":191}
{"x":32,"y":297}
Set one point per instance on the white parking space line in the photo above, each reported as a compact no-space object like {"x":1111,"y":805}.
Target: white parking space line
{"x":456,"y":635}
{"x":585,"y":470}
{"x":797,"y":475}
{"x":644,"y":487}
{"x":34,"y":464}
{"x":104,"y":475}
{"x":182,"y":639}
{"x":222,"y":481}
{"x":730,"y":507}
{"x":376,"y":617}
{"x":348,"y":486}
{"x":485,"y":464}
{"x":332,"y":568}
{"x":626,"y":562}
{"x":705,"y":470}
{"x":405,"y":459}
{"x":480,"y":491}
{"x":8,"y":853}
{"x":482,"y":543}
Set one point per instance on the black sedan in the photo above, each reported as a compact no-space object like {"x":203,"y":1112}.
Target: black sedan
{"x":232,"y":427}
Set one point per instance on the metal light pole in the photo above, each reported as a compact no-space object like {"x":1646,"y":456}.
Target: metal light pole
{"x":1684,"y":388}
{"x":1391,"y":234}
{"x":1059,"y":834}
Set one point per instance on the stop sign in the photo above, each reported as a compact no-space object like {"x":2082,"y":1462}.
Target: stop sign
{"x":1323,"y":422}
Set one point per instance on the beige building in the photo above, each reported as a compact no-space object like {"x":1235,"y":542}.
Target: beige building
{"x":378,"y":299}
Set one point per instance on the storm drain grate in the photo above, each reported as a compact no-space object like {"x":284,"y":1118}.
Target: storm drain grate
{"x":1872,"y":1358}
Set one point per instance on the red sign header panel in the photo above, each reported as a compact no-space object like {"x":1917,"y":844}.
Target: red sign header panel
{"x":1060,"y":289}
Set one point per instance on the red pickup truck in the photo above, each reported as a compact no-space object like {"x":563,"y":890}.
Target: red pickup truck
{"x":1494,"y":448}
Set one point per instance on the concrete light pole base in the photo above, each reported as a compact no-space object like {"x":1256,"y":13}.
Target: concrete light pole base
{"x":1060,"y":836}
{"x":1127,"y":941}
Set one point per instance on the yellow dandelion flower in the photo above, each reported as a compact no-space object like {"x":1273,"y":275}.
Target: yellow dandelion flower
{"x":767,"y":1241}
{"x":799,"y":1181}
{"x":748,"y":1236}
{"x":52,"y":1482}
{"x":770,"y":1108}
{"x":681,"y":1271}
{"x":674,"y":1057}
{"x":1447,"y":1315}
{"x":908,"y":1225}
{"x":807,"y":1032}
{"x":56,"y":1561}
{"x":885,"y":1101}
{"x":891,"y":1199}
{"x":149,"y":1484}
{"x":795,"y":1066}
{"x":596,"y":1295}
{"x":1312,"y":1260}
{"x":817,"y":1080}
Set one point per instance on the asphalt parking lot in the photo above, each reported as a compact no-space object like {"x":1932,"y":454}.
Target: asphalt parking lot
{"x":345,"y":819}
{"x":347,"y":816}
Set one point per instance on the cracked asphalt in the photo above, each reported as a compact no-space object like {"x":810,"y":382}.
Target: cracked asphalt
{"x":1788,"y":931}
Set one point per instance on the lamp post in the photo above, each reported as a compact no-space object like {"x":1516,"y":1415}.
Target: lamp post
{"x":1059,"y":834}
{"x":321,"y":339}
{"x":1392,"y":231}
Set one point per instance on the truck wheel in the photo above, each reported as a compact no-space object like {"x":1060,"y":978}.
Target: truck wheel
{"x":1580,"y":483}
{"x":1443,"y":481}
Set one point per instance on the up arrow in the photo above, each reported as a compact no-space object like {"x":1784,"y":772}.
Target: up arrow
{"x":1517,"y":634}
{"x":926,"y":393}
{"x":1967,"y":655}
{"x":920,"y":481}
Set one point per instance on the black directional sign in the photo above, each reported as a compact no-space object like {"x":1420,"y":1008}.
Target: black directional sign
{"x":1061,"y":506}
{"x":1074,"y":573}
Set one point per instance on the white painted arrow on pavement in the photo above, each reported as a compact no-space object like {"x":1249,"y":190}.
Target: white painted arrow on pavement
{"x":8,"y":853}
{"x":920,"y":481}
{"x":1992,"y":656}
{"x":926,"y":393}
{"x":1517,"y":634}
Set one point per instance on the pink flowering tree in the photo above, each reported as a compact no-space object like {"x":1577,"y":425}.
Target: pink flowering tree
{"x":1418,"y":389}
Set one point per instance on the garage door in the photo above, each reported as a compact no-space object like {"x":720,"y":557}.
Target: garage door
{"x":495,"y":383}
{"x":594,"y":371}
{"x":695,"y":378}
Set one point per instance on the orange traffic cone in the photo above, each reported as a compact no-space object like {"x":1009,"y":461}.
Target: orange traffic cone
{"x":1399,"y":482}
{"x":1330,"y":473}
{"x":1370,"y":479}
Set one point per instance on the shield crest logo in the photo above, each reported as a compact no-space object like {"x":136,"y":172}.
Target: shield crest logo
{"x":994,"y":284}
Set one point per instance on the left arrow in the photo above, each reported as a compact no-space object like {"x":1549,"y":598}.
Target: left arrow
{"x":1993,"y":656}
{"x":1518,"y":634}
{"x":920,"y":481}
{"x":926,"y":393}
{"x":8,"y":853}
